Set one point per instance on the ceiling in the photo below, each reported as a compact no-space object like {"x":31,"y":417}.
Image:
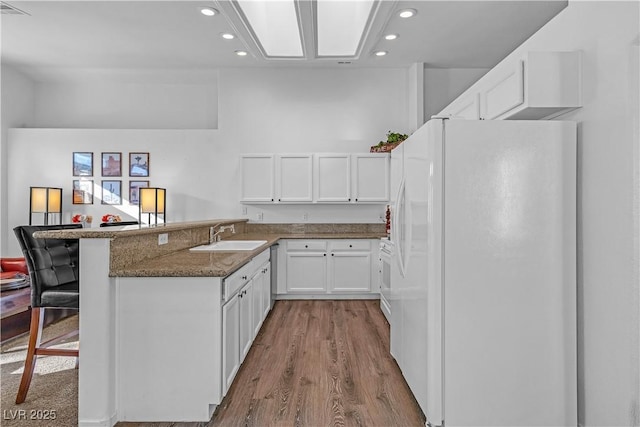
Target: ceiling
{"x":174,"y":34}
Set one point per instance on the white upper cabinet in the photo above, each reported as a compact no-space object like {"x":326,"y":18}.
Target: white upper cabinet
{"x":465,"y":108}
{"x":257,"y":177}
{"x":370,"y":177}
{"x":332,"y":178}
{"x":315,"y":178}
{"x":541,"y":85}
{"x":504,"y":93}
{"x":294,"y":177}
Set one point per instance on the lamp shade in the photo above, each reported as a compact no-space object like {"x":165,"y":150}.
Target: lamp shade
{"x":38,"y":199}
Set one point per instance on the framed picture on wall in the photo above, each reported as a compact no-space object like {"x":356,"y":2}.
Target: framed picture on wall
{"x":134,"y":191}
{"x":82,"y":163}
{"x":82,"y":192}
{"x":111,"y":192}
{"x":138,"y":164}
{"x":111,"y":164}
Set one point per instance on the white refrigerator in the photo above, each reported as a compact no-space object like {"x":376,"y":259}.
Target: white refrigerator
{"x":483,"y":280}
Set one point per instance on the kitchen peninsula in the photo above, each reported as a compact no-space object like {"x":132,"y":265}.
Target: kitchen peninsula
{"x":161,"y":327}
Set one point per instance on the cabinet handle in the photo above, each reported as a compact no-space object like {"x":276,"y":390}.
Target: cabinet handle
{"x":333,"y":254}
{"x":349,"y":199}
{"x":244,"y":277}
{"x":272,"y":200}
{"x":350,"y":246}
{"x":279,"y":200}
{"x":324,"y":254}
{"x":306,"y":246}
{"x":356,"y":200}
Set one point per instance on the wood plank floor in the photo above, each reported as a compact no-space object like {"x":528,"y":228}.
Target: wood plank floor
{"x":317,"y":363}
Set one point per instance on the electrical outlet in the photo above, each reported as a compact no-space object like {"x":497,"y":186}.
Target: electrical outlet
{"x":163,"y":238}
{"x":305,"y":216}
{"x":244,"y":210}
{"x":259,"y":216}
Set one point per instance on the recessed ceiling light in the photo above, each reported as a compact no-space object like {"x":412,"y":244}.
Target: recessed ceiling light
{"x":241,"y":53}
{"x":227,"y":36}
{"x":208,"y":11}
{"x":407,"y":13}
{"x":381,"y":53}
{"x":391,"y":37}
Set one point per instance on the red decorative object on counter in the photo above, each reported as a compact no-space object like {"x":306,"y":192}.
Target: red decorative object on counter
{"x":111,"y":218}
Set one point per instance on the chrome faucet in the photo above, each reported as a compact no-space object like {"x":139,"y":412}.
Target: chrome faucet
{"x":214,"y":236}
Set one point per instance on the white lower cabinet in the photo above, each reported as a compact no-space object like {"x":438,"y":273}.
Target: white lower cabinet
{"x":246,"y":318}
{"x":266,"y":289}
{"x":247,"y":303}
{"x":350,"y":271}
{"x":230,"y":341}
{"x":323,"y":267}
{"x":307,"y":272}
{"x":261,"y":295}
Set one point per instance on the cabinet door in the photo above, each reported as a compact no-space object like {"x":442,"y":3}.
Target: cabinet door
{"x":506,"y":92}
{"x":332,"y":178}
{"x":257,"y":178}
{"x":256,"y":302}
{"x":465,"y":108}
{"x":230,"y":341}
{"x":295,"y":178}
{"x":266,"y":289}
{"x":246,"y":324}
{"x":350,"y":272}
{"x":371,"y":177}
{"x":307,"y":272}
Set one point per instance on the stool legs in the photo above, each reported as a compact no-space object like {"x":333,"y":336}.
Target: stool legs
{"x":35,"y":348}
{"x":35,"y":335}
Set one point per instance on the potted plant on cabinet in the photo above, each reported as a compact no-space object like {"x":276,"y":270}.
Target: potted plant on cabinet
{"x":393,"y":140}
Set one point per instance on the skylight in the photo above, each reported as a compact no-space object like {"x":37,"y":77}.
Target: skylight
{"x":341,"y":25}
{"x":275,"y":25}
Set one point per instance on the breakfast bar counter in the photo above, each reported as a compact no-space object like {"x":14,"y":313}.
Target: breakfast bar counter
{"x":151,"y":314}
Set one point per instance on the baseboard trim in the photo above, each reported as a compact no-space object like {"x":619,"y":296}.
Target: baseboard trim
{"x":326,"y":296}
{"x":107,"y":422}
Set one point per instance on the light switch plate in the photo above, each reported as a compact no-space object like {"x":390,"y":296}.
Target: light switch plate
{"x":163,"y":239}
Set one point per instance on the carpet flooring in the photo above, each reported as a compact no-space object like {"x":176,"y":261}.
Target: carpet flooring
{"x":52,"y":400}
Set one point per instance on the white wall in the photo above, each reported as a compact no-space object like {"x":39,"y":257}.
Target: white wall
{"x":274,"y":110}
{"x":128,"y":99}
{"x":17,"y":110}
{"x":443,"y":85}
{"x":609,"y":366}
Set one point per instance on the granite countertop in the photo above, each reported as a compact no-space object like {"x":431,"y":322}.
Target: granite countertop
{"x":185,"y":263}
{"x":134,"y":253}
{"x":130,"y":230}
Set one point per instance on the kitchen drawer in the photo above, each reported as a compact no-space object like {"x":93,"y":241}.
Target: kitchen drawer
{"x":307,"y":245}
{"x":235,"y":281}
{"x":261,"y":258}
{"x":350,"y":245}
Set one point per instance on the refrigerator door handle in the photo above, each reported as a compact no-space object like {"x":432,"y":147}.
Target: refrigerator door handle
{"x":400,"y":233}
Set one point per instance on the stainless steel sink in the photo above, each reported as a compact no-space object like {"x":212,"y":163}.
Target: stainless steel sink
{"x":230,"y":246}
